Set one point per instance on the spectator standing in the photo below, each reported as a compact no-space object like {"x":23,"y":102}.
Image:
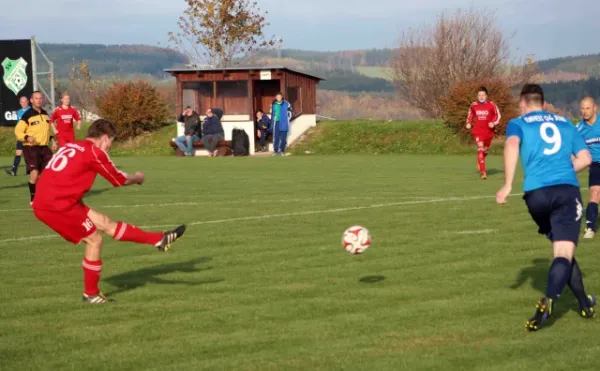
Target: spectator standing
{"x":192,"y":131}
{"x":263,"y":129}
{"x":24,"y":102}
{"x":212,"y":130}
{"x":281,"y":112}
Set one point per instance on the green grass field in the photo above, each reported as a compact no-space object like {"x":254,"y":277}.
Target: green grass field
{"x":381,"y":72}
{"x":260,"y":280}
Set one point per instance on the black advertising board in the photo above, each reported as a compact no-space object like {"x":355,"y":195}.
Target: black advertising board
{"x":17,"y":78}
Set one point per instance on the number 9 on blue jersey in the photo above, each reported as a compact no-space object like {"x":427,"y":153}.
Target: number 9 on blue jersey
{"x":551,"y":135}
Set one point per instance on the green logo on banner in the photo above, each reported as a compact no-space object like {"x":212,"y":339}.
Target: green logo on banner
{"x":15,"y":76}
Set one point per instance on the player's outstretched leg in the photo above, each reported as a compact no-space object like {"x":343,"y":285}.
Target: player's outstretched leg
{"x":558,"y":277}
{"x":586,"y":302}
{"x":92,"y":268}
{"x":126,"y":232}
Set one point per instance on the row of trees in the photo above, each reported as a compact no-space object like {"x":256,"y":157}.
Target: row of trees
{"x":135,"y":106}
{"x":437,"y":68}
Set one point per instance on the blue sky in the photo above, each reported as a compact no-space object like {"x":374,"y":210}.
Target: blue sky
{"x":544,"y":28}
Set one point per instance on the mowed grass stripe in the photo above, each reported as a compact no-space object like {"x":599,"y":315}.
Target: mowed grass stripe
{"x":280,"y":293}
{"x":283,"y":215}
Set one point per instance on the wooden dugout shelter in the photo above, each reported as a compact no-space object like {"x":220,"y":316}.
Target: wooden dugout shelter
{"x":240,"y":91}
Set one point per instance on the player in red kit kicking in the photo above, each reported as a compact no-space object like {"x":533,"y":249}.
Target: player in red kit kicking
{"x":58,"y":202}
{"x":62,"y":121}
{"x":486,"y":116}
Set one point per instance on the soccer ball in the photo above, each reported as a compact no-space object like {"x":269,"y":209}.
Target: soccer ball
{"x":356,"y":239}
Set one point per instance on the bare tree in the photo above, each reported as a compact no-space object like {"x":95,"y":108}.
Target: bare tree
{"x":215,"y":32}
{"x":466,"y":45}
{"x":81,"y":87}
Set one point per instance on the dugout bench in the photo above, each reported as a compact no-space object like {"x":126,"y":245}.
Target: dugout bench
{"x":224,"y":148}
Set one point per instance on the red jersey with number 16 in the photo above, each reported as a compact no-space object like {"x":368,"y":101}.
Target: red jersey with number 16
{"x":71,"y":173}
{"x":64,"y":118}
{"x":481,"y":114}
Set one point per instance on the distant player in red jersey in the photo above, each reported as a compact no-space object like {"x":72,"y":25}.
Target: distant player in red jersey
{"x":58,"y":202}
{"x":62,"y":121}
{"x":486,"y":116}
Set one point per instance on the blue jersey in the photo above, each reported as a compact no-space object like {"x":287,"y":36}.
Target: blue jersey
{"x":591,"y":136}
{"x":21,"y":111}
{"x":547,"y":143}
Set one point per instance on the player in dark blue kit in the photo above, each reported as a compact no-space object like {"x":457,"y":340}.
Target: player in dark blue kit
{"x":552,"y":152}
{"x":24,"y":102}
{"x":589,"y":128}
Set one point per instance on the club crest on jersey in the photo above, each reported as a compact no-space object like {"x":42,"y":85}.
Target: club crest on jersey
{"x":15,"y":76}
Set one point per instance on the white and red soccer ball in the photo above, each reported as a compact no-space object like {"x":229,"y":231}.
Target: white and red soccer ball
{"x":356,"y":239}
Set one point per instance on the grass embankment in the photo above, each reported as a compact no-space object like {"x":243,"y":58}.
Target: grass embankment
{"x":154,"y":144}
{"x":377,"y":137}
{"x":333,"y":137}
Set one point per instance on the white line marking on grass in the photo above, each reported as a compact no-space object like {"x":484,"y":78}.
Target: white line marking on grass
{"x":331,"y":211}
{"x":31,"y":238}
{"x":299,"y":213}
{"x":216,"y":202}
{"x":481,"y":231}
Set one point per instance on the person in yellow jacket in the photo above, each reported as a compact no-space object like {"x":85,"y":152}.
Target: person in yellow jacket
{"x":35,"y":132}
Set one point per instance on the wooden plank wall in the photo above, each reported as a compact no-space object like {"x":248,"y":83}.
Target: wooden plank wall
{"x":307,"y":93}
{"x":233,"y":98}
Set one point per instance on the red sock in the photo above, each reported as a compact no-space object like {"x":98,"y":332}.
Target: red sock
{"x":130,"y":233}
{"x":91,"y":276}
{"x":481,"y":160}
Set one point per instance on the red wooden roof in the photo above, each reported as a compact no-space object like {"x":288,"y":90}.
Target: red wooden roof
{"x":255,"y":68}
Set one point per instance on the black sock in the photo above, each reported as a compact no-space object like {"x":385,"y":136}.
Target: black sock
{"x":32,"y":190}
{"x":576,"y":285}
{"x":558,"y":276}
{"x":16,"y":163}
{"x":591,"y":214}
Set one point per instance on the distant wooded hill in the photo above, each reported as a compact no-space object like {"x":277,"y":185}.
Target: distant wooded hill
{"x":351,"y":71}
{"x":143,"y":59}
{"x":113,"y":60}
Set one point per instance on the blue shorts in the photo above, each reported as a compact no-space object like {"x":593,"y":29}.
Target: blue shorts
{"x":19,"y":145}
{"x":595,"y":174}
{"x":557,"y":210}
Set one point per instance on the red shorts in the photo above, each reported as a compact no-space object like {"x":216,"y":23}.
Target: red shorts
{"x":65,"y":137}
{"x":486,"y":138}
{"x":73,"y":225}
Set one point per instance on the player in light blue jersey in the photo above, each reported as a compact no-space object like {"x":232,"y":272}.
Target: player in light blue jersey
{"x":24,"y":102}
{"x":552,"y":151}
{"x":589,"y":128}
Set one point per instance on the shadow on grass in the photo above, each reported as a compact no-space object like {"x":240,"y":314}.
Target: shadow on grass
{"x":140,"y":278}
{"x":491,"y":172}
{"x":537,"y":273}
{"x":494,"y":172}
{"x":372,"y":279}
{"x":14,"y":186}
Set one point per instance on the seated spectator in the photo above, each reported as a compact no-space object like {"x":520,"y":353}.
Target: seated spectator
{"x":192,"y":131}
{"x":263,"y":129}
{"x":212,"y":130}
